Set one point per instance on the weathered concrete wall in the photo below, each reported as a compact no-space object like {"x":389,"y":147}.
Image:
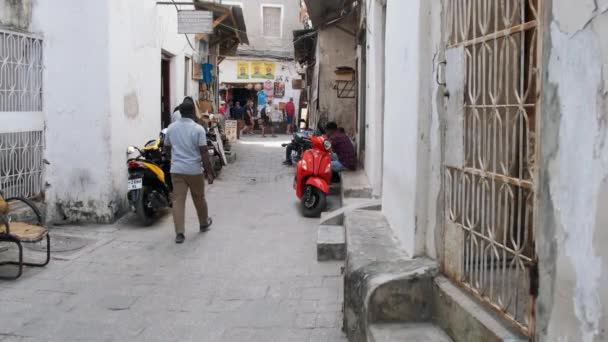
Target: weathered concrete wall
{"x":76,"y":105}
{"x":16,"y":13}
{"x":573,"y":189}
{"x":335,"y":48}
{"x":101,"y":99}
{"x":374,"y":92}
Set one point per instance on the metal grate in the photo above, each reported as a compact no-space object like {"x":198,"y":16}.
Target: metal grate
{"x":21,"y":163}
{"x":21,"y":147}
{"x":20,"y":72}
{"x":489,"y":200}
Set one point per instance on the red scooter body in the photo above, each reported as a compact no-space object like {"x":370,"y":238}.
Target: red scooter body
{"x":313,"y":176}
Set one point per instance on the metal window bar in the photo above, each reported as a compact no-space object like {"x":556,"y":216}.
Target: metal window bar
{"x":21,"y":153}
{"x":489,"y":200}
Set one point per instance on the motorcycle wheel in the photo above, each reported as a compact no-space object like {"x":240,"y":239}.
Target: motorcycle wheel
{"x":313,"y":202}
{"x":143,"y":212}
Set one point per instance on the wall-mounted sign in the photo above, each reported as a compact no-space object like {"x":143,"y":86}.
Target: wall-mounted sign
{"x":269,"y":70}
{"x":242,"y":68}
{"x":194,"y":22}
{"x":279,"y":89}
{"x":255,"y":69}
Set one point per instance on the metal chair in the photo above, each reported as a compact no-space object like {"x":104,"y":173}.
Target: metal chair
{"x":21,"y":232}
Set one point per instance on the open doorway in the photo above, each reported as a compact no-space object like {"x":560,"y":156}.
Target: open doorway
{"x":165,"y":91}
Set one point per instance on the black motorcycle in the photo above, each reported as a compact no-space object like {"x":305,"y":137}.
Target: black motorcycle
{"x":299,"y":143}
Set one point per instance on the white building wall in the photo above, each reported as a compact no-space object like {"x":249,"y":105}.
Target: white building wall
{"x":101,"y":94}
{"x":374,"y":88}
{"x":402,"y":114}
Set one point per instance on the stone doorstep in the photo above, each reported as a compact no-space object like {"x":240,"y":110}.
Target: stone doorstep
{"x":410,"y":332}
{"x":355,"y":184}
{"x":331,"y":243}
{"x":384,"y":285}
{"x":336,"y":217}
{"x":465,"y":319}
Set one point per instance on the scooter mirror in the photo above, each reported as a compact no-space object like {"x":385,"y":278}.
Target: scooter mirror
{"x":131,"y":150}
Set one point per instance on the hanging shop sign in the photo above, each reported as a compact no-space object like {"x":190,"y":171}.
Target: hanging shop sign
{"x":242,"y":68}
{"x":194,"y":22}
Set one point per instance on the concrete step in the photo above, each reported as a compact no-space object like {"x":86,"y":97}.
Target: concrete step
{"x":410,"y":332}
{"x":331,"y":243}
{"x":336,"y":217}
{"x":355,"y":184}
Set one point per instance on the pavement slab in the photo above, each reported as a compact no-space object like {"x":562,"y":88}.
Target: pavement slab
{"x":252,"y":277}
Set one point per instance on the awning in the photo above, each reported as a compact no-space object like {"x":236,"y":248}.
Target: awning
{"x":229,"y":28}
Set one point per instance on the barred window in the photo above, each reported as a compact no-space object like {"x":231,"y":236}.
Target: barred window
{"x":271,"y":17}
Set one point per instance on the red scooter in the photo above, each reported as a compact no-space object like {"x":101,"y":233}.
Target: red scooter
{"x":313,"y":176}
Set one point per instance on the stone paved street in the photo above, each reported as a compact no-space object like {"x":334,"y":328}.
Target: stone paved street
{"x":253,"y":277}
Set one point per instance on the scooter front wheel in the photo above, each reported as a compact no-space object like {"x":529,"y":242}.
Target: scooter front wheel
{"x":313,"y":202}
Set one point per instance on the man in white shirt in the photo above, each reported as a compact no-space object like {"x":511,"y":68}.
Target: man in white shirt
{"x":187,"y":142}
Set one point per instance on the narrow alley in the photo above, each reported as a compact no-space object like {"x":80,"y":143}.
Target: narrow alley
{"x":252,"y":277}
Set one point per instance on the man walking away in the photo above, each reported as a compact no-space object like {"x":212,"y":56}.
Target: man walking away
{"x":343,"y":152}
{"x":187,"y":142}
{"x":290,"y":111}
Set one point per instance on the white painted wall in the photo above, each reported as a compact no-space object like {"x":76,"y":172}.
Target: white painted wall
{"x":284,"y":69}
{"x":102,"y":98}
{"x":402,"y":114}
{"x":374,"y":89}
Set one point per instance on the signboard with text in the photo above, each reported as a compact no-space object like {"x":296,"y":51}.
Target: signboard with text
{"x":194,"y":22}
{"x":230,"y":130}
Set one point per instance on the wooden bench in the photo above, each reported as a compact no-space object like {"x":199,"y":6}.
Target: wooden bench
{"x":22,"y":232}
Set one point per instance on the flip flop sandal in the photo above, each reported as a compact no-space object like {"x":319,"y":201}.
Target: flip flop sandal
{"x":206,"y":227}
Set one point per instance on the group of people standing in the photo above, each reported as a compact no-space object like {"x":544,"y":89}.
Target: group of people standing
{"x":265,"y":114}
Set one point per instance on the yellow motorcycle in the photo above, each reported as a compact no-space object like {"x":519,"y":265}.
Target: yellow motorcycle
{"x":149,"y":184}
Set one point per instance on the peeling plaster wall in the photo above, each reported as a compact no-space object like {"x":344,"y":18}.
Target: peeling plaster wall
{"x":335,"y":48}
{"x":139,"y":32}
{"x":16,"y":13}
{"x":76,"y":108}
{"x":573,"y":191}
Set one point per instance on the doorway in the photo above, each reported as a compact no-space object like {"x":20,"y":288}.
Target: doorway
{"x":165,"y":92}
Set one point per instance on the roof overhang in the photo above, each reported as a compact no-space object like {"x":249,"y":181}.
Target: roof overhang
{"x":304,"y":44}
{"x":324,"y":11}
{"x":229,"y":28}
